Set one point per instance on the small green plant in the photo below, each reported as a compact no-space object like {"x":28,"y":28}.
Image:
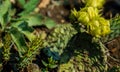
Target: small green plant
{"x":18,"y":32}
{"x":51,"y":63}
{"x":16,"y":28}
{"x":32,"y":51}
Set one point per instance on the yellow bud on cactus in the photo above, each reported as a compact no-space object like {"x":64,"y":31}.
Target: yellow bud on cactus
{"x":96,"y":32}
{"x":89,"y":16}
{"x":94,"y":24}
{"x":105,"y":30}
{"x":94,"y":28}
{"x":105,"y":25}
{"x":104,"y":22}
{"x":95,"y":3}
{"x":83,"y":17}
{"x":93,"y":12}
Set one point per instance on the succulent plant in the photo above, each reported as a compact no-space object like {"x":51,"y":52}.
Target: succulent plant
{"x":83,"y":55}
{"x":59,"y":37}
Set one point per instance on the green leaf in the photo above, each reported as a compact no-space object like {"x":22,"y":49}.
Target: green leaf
{"x":49,"y":23}
{"x":22,"y":2}
{"x":44,"y":63}
{"x":2,"y":21}
{"x":19,"y":40}
{"x":52,"y":66}
{"x":4,"y":13}
{"x":29,"y":6}
{"x":23,"y":27}
{"x":37,"y":20}
{"x":5,"y":20}
{"x":34,"y":20}
{"x":12,"y":12}
{"x":4,"y":7}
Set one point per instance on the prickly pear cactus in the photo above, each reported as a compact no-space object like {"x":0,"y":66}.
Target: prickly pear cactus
{"x":55,"y":44}
{"x":77,"y":52}
{"x":59,"y":38}
{"x":81,"y":55}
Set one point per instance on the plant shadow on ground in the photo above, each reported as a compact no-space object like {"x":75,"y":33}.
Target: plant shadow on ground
{"x":81,"y":45}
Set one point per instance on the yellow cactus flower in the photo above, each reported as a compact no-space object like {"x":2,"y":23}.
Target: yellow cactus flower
{"x":94,"y":28}
{"x":95,"y":3}
{"x":89,"y":16}
{"x":105,"y":30}
{"x":83,"y":17}
{"x":96,"y":32}
{"x":93,"y":12}
{"x":94,"y":24}
{"x":98,"y":28}
{"x":105,"y":26}
{"x":104,"y":22}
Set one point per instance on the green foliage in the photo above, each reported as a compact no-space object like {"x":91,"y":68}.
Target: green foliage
{"x":30,"y":54}
{"x":19,"y":40}
{"x":23,"y":28}
{"x":51,"y":63}
{"x":5,"y":13}
{"x":29,"y":6}
{"x":22,"y":2}
{"x":6,"y":25}
{"x":37,"y":20}
{"x":19,"y":26}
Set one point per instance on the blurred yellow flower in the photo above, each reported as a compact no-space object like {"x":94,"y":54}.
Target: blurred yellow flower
{"x":89,"y":16}
{"x":83,"y":17}
{"x":95,"y":3}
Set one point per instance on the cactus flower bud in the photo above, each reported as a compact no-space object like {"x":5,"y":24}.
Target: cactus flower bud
{"x":83,"y":17}
{"x":95,"y":3}
{"x":93,"y":12}
{"x":94,"y":28}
